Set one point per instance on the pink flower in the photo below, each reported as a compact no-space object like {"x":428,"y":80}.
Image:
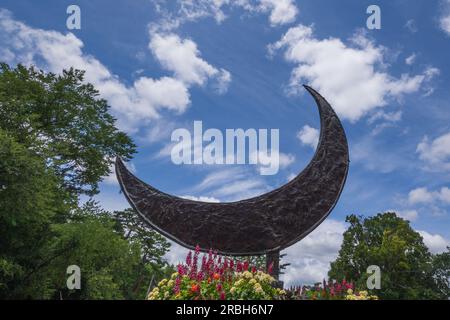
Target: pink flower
{"x":189,"y":259}
{"x":222,"y":295}
{"x":176,"y":288}
{"x":181,"y":270}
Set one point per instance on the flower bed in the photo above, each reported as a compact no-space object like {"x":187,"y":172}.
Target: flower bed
{"x":214,"y":278}
{"x":331,"y":290}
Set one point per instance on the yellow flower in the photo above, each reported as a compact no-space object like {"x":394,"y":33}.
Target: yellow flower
{"x":282,"y":292}
{"x":174,"y":275}
{"x":162,"y":282}
{"x":363,"y":293}
{"x":259,"y":289}
{"x":247,"y":275}
{"x":154,"y":294}
{"x":155,"y":290}
{"x":252,"y":281}
{"x":170,"y":283}
{"x":232,"y":290}
{"x":349,"y":291}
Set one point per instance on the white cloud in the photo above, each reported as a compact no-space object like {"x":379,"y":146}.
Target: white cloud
{"x":134,"y":105}
{"x":411,"y":59}
{"x":411,"y":26}
{"x":182,"y":57}
{"x":385,"y":116}
{"x":310,"y":258}
{"x":410,"y":215}
{"x":286,"y":159}
{"x":54,"y":51}
{"x":423,"y":195}
{"x":387,"y":120}
{"x":232,"y":184}
{"x":280,"y":11}
{"x":309,"y":136}
{"x":435,"y":242}
{"x":435,"y":153}
{"x":445,"y":18}
{"x":177,"y":254}
{"x":352,"y":76}
{"x":420,"y":195}
{"x":445,"y":24}
{"x":264,"y":160}
{"x":201,"y":198}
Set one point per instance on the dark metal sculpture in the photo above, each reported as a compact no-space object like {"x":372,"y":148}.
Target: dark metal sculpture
{"x":261,"y":225}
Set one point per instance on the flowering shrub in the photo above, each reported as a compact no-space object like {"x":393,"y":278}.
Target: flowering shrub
{"x":214,"y":278}
{"x":362,"y":295}
{"x":331,"y":290}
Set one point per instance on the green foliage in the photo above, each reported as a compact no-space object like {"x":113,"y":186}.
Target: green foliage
{"x":29,"y":200}
{"x":57,"y":140}
{"x":389,"y":242}
{"x":61,"y":118}
{"x":441,"y":272}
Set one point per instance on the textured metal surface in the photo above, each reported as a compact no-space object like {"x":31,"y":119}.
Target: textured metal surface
{"x":269,"y":222}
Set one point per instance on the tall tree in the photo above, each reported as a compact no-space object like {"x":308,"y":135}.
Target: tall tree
{"x":389,"y":242}
{"x":62,"y":119}
{"x":30,"y":199}
{"x":57,"y":140}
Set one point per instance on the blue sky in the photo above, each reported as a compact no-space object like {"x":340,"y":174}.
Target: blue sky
{"x":239,"y":64}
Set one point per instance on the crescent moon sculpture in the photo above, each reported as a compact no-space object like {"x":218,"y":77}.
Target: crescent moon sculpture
{"x":259,"y":225}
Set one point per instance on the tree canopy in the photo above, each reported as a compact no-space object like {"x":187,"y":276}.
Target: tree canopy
{"x":408,"y":269}
{"x":57,"y":141}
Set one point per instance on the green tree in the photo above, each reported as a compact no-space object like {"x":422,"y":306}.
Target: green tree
{"x":57,"y":140}
{"x":30,"y":199}
{"x":62,"y":119}
{"x":153,"y":246}
{"x":441,"y":272}
{"x":389,"y":242}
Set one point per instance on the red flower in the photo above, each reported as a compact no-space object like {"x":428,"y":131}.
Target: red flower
{"x":216,"y":276}
{"x":189,"y":259}
{"x":270,"y":269}
{"x":195,"y":288}
{"x":222,"y":295}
